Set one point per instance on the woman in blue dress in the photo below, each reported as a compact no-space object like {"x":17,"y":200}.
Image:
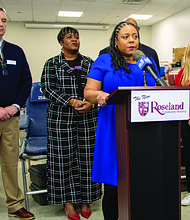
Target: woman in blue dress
{"x":108,"y":72}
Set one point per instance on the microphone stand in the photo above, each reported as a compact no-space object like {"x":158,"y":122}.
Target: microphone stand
{"x":145,"y":81}
{"x":159,"y":82}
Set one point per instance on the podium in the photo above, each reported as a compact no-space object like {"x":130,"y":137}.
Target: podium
{"x":149,"y":162}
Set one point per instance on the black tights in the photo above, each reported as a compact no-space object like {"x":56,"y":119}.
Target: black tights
{"x":110,"y":202}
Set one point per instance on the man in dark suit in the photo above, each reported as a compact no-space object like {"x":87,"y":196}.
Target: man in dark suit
{"x":148,"y":51}
{"x":15,"y":87}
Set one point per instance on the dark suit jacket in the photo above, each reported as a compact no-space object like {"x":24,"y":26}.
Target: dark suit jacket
{"x":148,"y":51}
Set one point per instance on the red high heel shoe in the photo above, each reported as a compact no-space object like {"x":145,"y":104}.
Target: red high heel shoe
{"x":74,"y":217}
{"x":85,"y":214}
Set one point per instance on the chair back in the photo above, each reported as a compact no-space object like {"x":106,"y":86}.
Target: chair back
{"x":34,"y":145}
{"x":36,"y":106}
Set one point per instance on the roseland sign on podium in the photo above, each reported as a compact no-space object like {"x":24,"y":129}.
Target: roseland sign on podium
{"x":148,"y":150}
{"x":159,"y":105}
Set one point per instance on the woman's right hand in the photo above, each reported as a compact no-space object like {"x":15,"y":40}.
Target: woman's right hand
{"x":102,"y":98}
{"x":189,"y":122}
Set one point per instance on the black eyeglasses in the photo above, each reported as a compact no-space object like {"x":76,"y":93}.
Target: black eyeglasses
{"x":4,"y":66}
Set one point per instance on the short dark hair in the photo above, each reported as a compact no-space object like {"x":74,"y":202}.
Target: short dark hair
{"x":65,"y":31}
{"x":2,"y":9}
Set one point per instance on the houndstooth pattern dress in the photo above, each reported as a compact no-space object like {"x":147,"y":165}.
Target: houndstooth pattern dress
{"x":71,"y":136}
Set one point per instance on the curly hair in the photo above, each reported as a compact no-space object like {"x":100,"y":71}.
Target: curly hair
{"x":65,"y":31}
{"x":118,"y":60}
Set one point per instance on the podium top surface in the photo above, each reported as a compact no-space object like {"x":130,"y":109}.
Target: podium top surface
{"x":119,"y":94}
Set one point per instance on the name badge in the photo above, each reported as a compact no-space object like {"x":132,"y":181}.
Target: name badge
{"x":11,"y":62}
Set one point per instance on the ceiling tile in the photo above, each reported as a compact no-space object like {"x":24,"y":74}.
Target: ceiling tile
{"x":95,"y":11}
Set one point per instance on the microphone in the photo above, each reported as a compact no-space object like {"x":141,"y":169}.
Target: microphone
{"x":144,"y":63}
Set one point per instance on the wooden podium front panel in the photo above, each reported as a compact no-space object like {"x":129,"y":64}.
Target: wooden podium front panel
{"x":154,"y":170}
{"x":148,"y":168}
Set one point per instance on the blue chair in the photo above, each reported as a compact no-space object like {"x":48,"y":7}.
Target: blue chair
{"x":34,"y":144}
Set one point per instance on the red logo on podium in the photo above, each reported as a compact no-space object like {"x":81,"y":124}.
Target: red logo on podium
{"x":143,"y":108}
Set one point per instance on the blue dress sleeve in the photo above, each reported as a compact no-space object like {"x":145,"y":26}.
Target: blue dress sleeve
{"x":99,"y":67}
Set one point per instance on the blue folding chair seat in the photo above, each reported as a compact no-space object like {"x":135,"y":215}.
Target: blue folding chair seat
{"x":34,"y":145}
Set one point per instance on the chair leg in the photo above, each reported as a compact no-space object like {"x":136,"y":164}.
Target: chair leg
{"x":25,"y":184}
{"x":29,"y":164}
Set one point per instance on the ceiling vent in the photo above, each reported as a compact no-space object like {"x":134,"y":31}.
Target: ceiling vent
{"x":134,"y":2}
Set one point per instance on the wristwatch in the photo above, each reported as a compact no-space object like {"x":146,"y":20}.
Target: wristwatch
{"x":16,"y":106}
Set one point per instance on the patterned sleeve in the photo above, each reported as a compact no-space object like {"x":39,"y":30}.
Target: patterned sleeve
{"x":49,"y":85}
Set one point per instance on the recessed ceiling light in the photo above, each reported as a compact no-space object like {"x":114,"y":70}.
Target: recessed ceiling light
{"x":70,"y":13}
{"x":140,"y":17}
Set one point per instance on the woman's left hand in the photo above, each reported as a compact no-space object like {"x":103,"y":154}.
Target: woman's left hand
{"x":84,"y":108}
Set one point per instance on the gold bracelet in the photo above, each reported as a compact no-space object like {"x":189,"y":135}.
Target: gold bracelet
{"x":74,"y":102}
{"x":93,"y":105}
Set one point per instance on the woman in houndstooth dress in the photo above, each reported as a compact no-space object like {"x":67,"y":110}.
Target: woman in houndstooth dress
{"x":71,"y":126}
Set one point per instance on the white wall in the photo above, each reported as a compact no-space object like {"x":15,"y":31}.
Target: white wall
{"x":145,"y":35}
{"x":41,"y":44}
{"x":171,"y":33}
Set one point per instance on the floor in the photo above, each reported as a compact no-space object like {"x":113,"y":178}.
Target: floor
{"x":55,"y":212}
{"x":47,"y":212}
